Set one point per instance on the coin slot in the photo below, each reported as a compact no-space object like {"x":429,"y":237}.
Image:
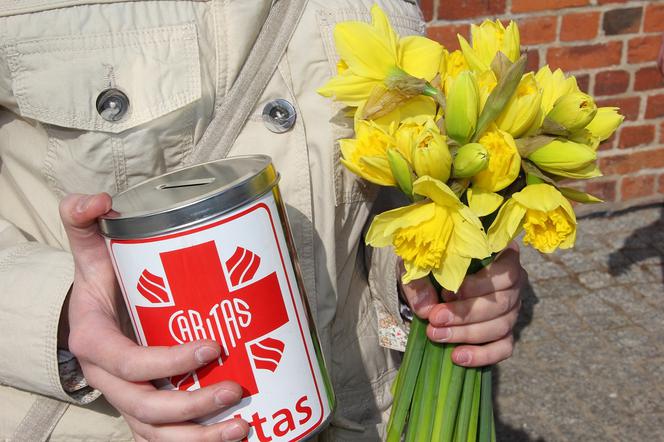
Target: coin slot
{"x":186,"y":183}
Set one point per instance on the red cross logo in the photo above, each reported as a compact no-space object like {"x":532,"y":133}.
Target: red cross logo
{"x":201,"y":306}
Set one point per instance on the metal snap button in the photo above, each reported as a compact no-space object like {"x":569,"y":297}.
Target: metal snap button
{"x":279,"y":115}
{"x":112,"y":104}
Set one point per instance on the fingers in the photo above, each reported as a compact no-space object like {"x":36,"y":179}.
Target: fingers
{"x":477,"y":309}
{"x":112,"y":351}
{"x":79,"y":215}
{"x":478,"y":333}
{"x":229,"y":431}
{"x":502,"y":274}
{"x":151,"y":406}
{"x":482,"y":355}
{"x":421,"y":296}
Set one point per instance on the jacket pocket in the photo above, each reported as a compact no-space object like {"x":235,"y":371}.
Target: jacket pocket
{"x":59,"y":82}
{"x":406,"y":20}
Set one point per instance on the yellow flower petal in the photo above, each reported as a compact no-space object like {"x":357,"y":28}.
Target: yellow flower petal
{"x":469,"y":239}
{"x":349,"y":88}
{"x":482,"y":202}
{"x":365,"y":50}
{"x":385,"y":224}
{"x":437,"y":191}
{"x":542,"y":197}
{"x":452,"y":272}
{"x":419,"y":56}
{"x":506,"y":226}
{"x":504,"y":161}
{"x":383,"y":27}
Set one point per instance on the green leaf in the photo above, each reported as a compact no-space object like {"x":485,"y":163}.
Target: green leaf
{"x":554,"y":128}
{"x":531,"y":169}
{"x":465,"y":407}
{"x":401,"y":171}
{"x":486,"y":424}
{"x":500,"y":96}
{"x":501,"y":65}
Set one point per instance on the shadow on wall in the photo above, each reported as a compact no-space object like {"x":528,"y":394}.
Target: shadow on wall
{"x":643,"y":244}
{"x":504,"y":431}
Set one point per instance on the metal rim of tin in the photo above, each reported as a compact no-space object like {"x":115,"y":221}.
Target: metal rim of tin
{"x":191,"y":195}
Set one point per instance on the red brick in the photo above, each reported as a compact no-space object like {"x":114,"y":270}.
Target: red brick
{"x":427,"y":9}
{"x":583,"y":26}
{"x":609,"y":143}
{"x":605,"y":190}
{"x":611,"y":82}
{"x":642,"y":49}
{"x":655,"y":106}
{"x":536,"y":30}
{"x":585,"y":56}
{"x":447,"y":35}
{"x":632,"y":136}
{"x":461,"y":9}
{"x":648,"y":78}
{"x":654,"y":20}
{"x":661,"y":132}
{"x":604,"y":2}
{"x":583,"y":81}
{"x":629,"y":106}
{"x":533,"y":63}
{"x":622,"y":21}
{"x":624,"y":163}
{"x":637,"y":186}
{"x":660,"y":187}
{"x":541,"y":5}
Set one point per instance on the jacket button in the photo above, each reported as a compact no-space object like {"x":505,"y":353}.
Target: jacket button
{"x":112,"y":104}
{"x":279,"y":115}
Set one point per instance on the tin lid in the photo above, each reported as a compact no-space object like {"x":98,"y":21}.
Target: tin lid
{"x":188,"y":196}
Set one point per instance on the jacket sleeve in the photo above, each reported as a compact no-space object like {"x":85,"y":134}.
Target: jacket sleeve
{"x":383,"y":279}
{"x":34,"y":281}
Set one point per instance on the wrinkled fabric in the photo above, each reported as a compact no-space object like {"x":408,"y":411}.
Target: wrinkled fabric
{"x":174,"y":60}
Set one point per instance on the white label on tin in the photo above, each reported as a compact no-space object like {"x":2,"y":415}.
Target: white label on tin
{"x":231,"y":280}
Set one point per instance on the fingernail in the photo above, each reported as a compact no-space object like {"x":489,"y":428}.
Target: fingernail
{"x":206,"y":354}
{"x":443,"y":317}
{"x":233,"y":432}
{"x":225,"y":397}
{"x":441,"y":334}
{"x":463,"y":357}
{"x":83,"y":203}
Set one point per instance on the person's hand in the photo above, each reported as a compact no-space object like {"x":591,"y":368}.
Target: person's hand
{"x":116,"y":365}
{"x":481,"y":314}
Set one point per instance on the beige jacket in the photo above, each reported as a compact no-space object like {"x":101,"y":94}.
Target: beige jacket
{"x":175,"y":60}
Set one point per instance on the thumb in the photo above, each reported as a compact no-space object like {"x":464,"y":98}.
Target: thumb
{"x":79,"y":215}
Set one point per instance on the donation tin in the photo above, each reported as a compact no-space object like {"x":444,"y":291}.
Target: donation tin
{"x":205,"y":252}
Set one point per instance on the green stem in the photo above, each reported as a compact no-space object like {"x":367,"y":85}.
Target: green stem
{"x":407,"y":378}
{"x":465,"y":407}
{"x":430,"y":399}
{"x":443,"y":387}
{"x":486,"y":407}
{"x":452,"y":402}
{"x":417,"y":410}
{"x":475,"y":409}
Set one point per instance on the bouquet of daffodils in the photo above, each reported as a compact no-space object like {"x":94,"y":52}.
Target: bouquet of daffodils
{"x":482,"y":149}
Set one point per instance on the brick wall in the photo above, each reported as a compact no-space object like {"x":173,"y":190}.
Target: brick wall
{"x":611,"y":46}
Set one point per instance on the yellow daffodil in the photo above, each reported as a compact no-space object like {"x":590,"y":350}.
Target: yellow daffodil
{"x":452,"y":64}
{"x":566,"y":158}
{"x":430,"y":154}
{"x":366,"y":154}
{"x":523,"y":108}
{"x":504,"y":161}
{"x":606,"y":121}
{"x":553,"y":86}
{"x":463,"y":103}
{"x":372,"y":54}
{"x":543,"y":212}
{"x":573,"y":111}
{"x":470,"y":160}
{"x":482,"y":202}
{"x":439,"y":235}
{"x":489,"y":38}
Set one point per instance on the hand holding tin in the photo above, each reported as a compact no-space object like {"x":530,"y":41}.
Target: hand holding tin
{"x":115,"y":364}
{"x":482,"y":313}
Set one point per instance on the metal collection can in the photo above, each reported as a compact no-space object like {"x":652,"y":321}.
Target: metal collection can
{"x":205,"y":252}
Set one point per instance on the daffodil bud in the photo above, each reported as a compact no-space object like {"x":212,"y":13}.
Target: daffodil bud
{"x":462,"y":108}
{"x":401,"y":171}
{"x":431,"y":156}
{"x":566,"y":158}
{"x":606,"y":122}
{"x":572,"y":112}
{"x":470,"y":160}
